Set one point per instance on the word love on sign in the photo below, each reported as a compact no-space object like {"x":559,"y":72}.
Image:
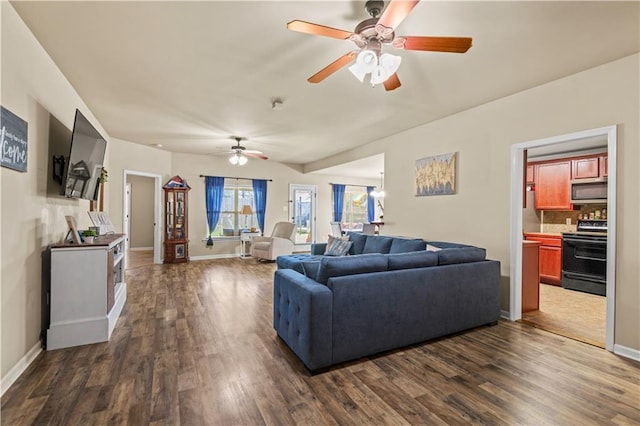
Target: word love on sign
{"x":13,"y":141}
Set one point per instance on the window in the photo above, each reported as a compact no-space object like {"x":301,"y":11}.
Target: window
{"x":231,"y":222}
{"x":354,"y":213}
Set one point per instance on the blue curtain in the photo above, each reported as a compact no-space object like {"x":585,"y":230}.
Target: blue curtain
{"x":338,"y":201}
{"x":214,"y":190}
{"x":371,"y":205}
{"x":260,"y":200}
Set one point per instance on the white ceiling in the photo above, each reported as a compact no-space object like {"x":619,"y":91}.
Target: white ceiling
{"x":188,"y":75}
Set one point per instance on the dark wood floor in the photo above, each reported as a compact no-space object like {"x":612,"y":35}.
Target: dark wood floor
{"x":195,"y":346}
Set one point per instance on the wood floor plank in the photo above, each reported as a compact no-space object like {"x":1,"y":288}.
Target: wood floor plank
{"x":195,"y":345}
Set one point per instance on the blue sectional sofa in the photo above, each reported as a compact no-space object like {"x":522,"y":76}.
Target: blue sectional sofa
{"x":329,"y":310}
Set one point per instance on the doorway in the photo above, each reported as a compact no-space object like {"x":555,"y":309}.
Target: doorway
{"x":302,"y":211}
{"x":142,"y":193}
{"x":517,"y":196}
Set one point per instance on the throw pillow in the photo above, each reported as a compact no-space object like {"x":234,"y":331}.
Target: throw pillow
{"x":337,"y":246}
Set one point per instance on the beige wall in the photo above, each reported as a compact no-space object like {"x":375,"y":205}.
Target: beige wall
{"x":32,"y":88}
{"x":480,"y":211}
{"x":141,"y":220}
{"x":190,"y":167}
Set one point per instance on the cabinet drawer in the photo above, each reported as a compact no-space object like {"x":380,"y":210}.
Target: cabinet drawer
{"x":546,"y":241}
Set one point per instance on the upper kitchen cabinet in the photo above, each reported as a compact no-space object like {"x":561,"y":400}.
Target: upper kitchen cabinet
{"x":531,"y":177}
{"x":553,"y":185}
{"x":589,"y":167}
{"x":604,"y":166}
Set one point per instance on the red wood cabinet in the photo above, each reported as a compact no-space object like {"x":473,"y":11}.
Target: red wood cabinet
{"x":583,"y":168}
{"x":604,"y":166}
{"x":553,"y":185}
{"x":550,"y":257}
{"x":531,"y":177}
{"x":530,"y":275}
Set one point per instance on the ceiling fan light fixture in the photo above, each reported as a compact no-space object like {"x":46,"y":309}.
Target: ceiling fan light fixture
{"x":390,"y":62}
{"x":238,"y":159}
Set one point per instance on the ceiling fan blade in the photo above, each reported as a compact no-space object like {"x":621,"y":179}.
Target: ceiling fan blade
{"x":392,"y":83}
{"x":393,"y":15}
{"x":255,"y":154}
{"x":315,"y":29}
{"x":332,"y":67}
{"x":252,"y":151}
{"x":434,"y":44}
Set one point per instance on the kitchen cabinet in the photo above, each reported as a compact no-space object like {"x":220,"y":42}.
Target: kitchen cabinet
{"x":550,"y":256}
{"x":531,"y":174}
{"x":553,"y":185}
{"x":604,"y":166}
{"x":589,"y":167}
{"x":584,"y":168}
{"x":530,"y":275}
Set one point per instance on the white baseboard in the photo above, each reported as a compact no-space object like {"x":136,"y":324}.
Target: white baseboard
{"x":19,"y":368}
{"x":215,"y":256}
{"x":505,"y":314}
{"x":140,"y":248}
{"x":626,"y":352}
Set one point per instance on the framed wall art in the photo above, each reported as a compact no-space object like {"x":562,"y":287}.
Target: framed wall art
{"x":436,"y":175}
{"x":13,"y":141}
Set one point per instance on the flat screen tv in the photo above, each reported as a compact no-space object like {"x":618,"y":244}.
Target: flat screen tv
{"x":86,"y":159}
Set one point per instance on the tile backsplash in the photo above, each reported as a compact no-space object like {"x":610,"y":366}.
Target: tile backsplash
{"x":555,"y":222}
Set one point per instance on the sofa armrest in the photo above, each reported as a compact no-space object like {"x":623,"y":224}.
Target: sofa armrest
{"x":302,"y":317}
{"x":318,"y":248}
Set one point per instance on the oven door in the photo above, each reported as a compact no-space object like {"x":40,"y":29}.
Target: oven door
{"x":584,"y":263}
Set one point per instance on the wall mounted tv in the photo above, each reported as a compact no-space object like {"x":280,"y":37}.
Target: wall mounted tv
{"x":86,"y":158}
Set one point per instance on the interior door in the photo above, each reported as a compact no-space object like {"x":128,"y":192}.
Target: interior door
{"x":302,"y":211}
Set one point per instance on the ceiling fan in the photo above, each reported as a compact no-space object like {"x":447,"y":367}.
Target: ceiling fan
{"x":370,"y":35}
{"x":240,"y":153}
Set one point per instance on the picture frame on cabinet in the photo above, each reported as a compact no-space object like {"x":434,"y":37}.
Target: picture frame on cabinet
{"x":179,"y":251}
{"x":73,"y":230}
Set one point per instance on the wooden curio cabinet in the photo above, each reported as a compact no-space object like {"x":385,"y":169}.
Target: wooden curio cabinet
{"x":176,"y":230}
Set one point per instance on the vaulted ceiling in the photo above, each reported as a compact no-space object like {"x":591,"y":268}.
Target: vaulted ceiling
{"x":188,"y":75}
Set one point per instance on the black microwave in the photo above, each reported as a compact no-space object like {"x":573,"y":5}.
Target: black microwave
{"x":585,"y":191}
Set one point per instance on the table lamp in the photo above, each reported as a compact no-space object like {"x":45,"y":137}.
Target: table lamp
{"x":246,"y":210}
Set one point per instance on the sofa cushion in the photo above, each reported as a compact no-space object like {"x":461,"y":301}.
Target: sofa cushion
{"x":358,"y":242}
{"x":310,"y":269}
{"x":404,"y":245}
{"x":350,"y":265}
{"x":433,"y":248}
{"x":414,"y":259}
{"x":449,"y":256}
{"x":294,"y":261}
{"x":377,"y":244}
{"x":337,"y":246}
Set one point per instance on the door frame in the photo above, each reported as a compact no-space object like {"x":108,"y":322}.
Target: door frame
{"x":517,"y":195}
{"x":126,"y":216}
{"x":157,"y":208}
{"x":314,"y":198}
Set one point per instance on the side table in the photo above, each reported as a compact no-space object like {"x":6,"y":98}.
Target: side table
{"x":245,"y":243}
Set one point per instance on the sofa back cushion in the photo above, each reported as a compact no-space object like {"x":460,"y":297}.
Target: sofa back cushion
{"x":310,"y":269}
{"x":449,"y":256}
{"x":350,"y":265}
{"x":414,"y":259}
{"x":377,"y":244}
{"x":358,"y":242}
{"x":404,"y":245}
{"x":447,"y":244}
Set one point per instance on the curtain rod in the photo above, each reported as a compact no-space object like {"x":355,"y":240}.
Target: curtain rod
{"x":233,"y":177}
{"x":348,"y":184}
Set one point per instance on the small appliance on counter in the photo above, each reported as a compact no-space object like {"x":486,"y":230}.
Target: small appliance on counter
{"x":584,"y":257}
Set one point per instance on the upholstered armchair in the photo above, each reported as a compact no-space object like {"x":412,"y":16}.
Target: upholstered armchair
{"x":280,"y":242}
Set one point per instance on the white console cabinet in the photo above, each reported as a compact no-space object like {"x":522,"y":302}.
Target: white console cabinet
{"x":88,"y":291}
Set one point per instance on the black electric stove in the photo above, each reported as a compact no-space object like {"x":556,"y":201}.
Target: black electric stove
{"x":584,"y":257}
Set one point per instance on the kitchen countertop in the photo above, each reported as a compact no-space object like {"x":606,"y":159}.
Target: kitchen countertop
{"x":543,"y":234}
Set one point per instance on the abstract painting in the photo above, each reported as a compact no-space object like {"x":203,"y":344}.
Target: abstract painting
{"x":436,"y":175}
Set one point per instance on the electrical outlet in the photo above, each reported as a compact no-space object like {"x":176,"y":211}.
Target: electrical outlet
{"x":568,"y":221}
